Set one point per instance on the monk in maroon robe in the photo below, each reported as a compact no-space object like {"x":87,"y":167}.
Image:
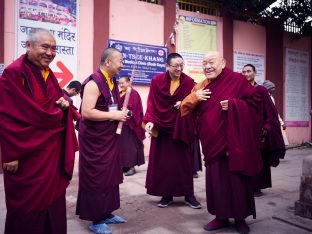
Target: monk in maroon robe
{"x":197,"y":156}
{"x":37,"y":139}
{"x":132,"y":135}
{"x":170,"y":165}
{"x":272,"y":143}
{"x":226,"y":107}
{"x":100,"y":169}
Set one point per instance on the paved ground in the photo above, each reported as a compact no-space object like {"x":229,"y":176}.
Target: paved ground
{"x":274,"y":209}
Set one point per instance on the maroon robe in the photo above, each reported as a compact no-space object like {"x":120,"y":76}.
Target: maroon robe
{"x":132,"y":135}
{"x":169,"y":170}
{"x":197,"y":156}
{"x":100,"y":169}
{"x":37,"y":133}
{"x":272,"y":143}
{"x":230,"y":144}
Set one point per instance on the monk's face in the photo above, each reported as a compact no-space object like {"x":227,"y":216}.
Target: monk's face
{"x":123,"y":84}
{"x":175,"y":67}
{"x":249,"y":73}
{"x":42,"y":51}
{"x":213,"y":63}
{"x":114,"y":64}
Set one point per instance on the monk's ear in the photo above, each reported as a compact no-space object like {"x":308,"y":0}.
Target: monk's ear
{"x":223,"y":63}
{"x":27,"y":46}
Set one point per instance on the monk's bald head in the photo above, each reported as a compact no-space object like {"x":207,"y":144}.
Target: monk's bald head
{"x":213,"y":63}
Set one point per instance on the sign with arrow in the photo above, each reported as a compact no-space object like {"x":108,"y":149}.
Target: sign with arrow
{"x":64,"y":76}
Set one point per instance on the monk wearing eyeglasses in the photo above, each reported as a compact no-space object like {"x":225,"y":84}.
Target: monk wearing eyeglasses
{"x":170,"y":167}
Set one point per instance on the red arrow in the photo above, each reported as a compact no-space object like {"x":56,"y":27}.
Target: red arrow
{"x":65,"y":76}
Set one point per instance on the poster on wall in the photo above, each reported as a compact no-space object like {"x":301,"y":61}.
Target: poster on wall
{"x":243,"y":58}
{"x":195,"y":37}
{"x":297,"y":88}
{"x":60,"y":17}
{"x":149,"y":60}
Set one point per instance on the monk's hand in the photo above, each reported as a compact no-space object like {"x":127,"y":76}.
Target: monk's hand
{"x":62,"y":103}
{"x":203,"y":94}
{"x":121,"y":115}
{"x":11,"y":166}
{"x":225,"y":104}
{"x":177,"y":105}
{"x":148,"y":128}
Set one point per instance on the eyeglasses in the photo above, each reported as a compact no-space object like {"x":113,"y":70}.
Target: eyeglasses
{"x":176,"y":66}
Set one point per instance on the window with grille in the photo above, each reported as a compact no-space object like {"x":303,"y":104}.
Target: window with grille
{"x":200,"y":6}
{"x":158,"y":2}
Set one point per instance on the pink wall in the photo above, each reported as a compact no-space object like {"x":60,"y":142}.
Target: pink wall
{"x":85,"y":42}
{"x":136,"y":21}
{"x":298,"y":135}
{"x":249,"y":37}
{"x":9,"y":31}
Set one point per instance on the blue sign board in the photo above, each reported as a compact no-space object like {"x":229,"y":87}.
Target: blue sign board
{"x":148,"y":60}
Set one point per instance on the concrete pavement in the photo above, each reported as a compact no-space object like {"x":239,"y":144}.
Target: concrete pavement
{"x":274,"y":210}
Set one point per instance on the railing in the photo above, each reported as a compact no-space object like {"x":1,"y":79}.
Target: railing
{"x":200,"y":6}
{"x":291,"y":27}
{"x":158,"y":2}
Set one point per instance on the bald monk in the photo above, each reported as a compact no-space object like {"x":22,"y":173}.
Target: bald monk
{"x":37,"y":139}
{"x":170,"y":167}
{"x":100,"y":168}
{"x":225,"y":104}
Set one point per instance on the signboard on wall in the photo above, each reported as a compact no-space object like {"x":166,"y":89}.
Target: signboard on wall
{"x":149,"y":60}
{"x":60,"y":18}
{"x":243,"y":58}
{"x":296,"y":88}
{"x":195,"y":37}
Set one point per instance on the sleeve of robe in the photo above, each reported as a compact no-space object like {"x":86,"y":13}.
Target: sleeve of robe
{"x":243,"y":138}
{"x":190,"y":102}
{"x":135,"y":122}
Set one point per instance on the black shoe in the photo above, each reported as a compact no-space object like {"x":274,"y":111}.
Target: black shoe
{"x":241,"y":227}
{"x":195,"y":175}
{"x":165,"y":201}
{"x":192,"y":202}
{"x":130,"y":172}
{"x":258,"y":193}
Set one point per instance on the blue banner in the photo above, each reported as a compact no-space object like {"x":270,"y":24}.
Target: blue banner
{"x":149,"y":60}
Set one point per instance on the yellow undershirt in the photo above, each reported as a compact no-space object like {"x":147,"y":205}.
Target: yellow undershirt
{"x":122,"y":93}
{"x":108,"y":79}
{"x":174,"y":84}
{"x":46,"y":73}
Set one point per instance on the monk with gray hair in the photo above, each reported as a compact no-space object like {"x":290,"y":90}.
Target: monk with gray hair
{"x":37,"y":139}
